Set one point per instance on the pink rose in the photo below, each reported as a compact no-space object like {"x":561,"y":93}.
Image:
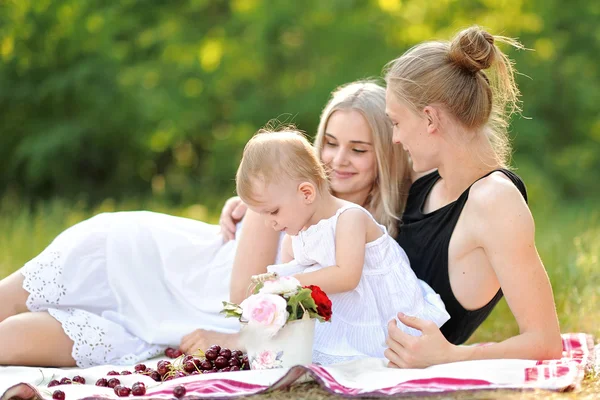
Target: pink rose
{"x":266,"y":312}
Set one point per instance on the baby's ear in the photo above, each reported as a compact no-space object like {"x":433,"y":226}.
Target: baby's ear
{"x":308,"y":192}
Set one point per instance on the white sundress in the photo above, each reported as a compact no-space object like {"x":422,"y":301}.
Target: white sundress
{"x":388,"y":285}
{"x":126,"y":285}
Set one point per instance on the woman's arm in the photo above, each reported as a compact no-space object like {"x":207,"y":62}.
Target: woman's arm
{"x":350,"y":239}
{"x":505,"y":232}
{"x":257,"y":248}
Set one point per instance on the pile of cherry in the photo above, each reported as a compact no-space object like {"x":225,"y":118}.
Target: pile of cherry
{"x":214,"y":359}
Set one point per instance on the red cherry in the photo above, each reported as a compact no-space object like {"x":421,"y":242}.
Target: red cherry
{"x":125,"y":372}
{"x":102,"y":382}
{"x":189,"y":366}
{"x":79,"y":379}
{"x":156,"y":376}
{"x":179,"y":391}
{"x":206,"y":365}
{"x":122,"y":391}
{"x":140,"y":368}
{"x":58,"y":395}
{"x":211,"y":355}
{"x":53,"y":382}
{"x":221,"y":362}
{"x":65,"y":381}
{"x":225,"y":353}
{"x":113,"y":373}
{"x":163,"y":367}
{"x":138,"y":389}
{"x":113,"y":382}
{"x":237,"y":354}
{"x":215,"y":347}
{"x":177,"y":353}
{"x":169,"y":352}
{"x":234,"y":368}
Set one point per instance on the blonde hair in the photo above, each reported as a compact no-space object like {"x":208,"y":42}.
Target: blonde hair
{"x":388,"y":196}
{"x":277,"y":156}
{"x":451,"y":74}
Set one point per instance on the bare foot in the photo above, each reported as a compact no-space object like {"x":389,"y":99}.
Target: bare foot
{"x":202,"y":339}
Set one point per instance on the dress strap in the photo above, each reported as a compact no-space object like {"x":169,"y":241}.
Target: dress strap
{"x":351,"y":206}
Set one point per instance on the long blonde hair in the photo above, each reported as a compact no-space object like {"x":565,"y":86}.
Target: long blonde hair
{"x":274,"y":156}
{"x":451,"y":74}
{"x":387,"y":198}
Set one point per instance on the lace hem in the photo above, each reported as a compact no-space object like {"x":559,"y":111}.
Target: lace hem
{"x":91,"y":344}
{"x":42,"y":279}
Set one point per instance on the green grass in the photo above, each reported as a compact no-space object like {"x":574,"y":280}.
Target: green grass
{"x":567,"y":236}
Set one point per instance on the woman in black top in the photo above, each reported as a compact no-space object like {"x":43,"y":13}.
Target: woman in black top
{"x":466,"y":228}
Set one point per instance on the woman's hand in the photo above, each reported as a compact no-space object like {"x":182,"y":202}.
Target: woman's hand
{"x":233,"y":211}
{"x":202,"y":339}
{"x":407,"y":351}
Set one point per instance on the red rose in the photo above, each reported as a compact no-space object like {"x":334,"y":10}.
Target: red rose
{"x":322,"y":301}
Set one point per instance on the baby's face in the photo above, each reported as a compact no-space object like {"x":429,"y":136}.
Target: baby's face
{"x":283,"y":207}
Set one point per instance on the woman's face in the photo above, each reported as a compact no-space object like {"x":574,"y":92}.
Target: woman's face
{"x":349,"y":153}
{"x":410,"y":130}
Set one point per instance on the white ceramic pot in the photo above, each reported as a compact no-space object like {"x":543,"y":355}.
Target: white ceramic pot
{"x":291,"y":346}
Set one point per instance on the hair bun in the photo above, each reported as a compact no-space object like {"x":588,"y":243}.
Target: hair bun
{"x":473,"y":49}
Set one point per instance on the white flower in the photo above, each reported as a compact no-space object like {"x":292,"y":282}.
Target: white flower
{"x":286,"y":286}
{"x":266,"y":312}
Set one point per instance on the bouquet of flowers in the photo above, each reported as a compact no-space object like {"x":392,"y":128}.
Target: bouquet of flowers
{"x":277,"y":317}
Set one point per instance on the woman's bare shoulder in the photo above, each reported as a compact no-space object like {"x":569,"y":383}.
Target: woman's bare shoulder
{"x":498,"y":210}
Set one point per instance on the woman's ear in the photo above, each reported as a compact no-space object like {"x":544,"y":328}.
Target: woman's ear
{"x":433,"y":119}
{"x":308,"y":192}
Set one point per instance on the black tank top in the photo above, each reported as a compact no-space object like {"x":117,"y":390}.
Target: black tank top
{"x":426,"y":240}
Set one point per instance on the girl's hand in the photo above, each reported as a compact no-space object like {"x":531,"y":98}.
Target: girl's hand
{"x":407,"y":351}
{"x":202,"y":339}
{"x":233,"y":211}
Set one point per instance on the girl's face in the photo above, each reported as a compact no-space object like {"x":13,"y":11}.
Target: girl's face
{"x":284,"y":207}
{"x":348,"y":153}
{"x":410,"y":130}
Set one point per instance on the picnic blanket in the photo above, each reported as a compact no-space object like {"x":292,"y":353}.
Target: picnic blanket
{"x":368,"y":377}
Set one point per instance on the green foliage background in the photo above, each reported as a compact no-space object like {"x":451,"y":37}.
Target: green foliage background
{"x":133,"y":98}
{"x":131,"y":104}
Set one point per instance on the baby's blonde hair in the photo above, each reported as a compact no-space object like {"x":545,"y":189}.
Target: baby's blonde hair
{"x":277,"y":156}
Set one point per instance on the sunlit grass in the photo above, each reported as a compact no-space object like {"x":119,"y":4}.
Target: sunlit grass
{"x":25,"y":232}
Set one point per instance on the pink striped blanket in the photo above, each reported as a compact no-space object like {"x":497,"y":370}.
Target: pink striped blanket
{"x":358,"y":378}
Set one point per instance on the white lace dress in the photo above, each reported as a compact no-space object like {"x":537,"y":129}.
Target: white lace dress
{"x":388,"y":285}
{"x":126,"y":285}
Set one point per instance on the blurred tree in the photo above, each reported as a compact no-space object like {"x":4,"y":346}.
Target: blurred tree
{"x":158,"y":97}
